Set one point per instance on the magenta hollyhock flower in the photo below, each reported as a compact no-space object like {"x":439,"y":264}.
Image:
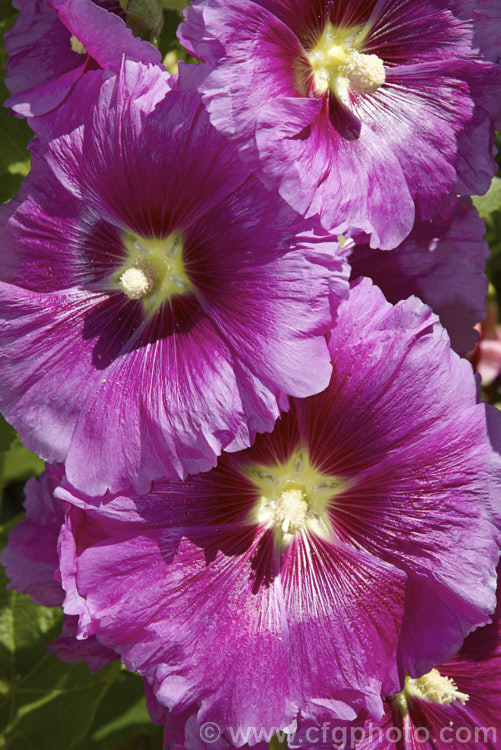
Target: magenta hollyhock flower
{"x":442,"y":262}
{"x":159,"y":302}
{"x":299,"y":579}
{"x":53,"y":43}
{"x":31,"y":562}
{"x":358,"y":111}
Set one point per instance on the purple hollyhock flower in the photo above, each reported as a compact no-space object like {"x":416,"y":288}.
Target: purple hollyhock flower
{"x":159,"y":302}
{"x":456,"y":705}
{"x":31,"y":562}
{"x":299,"y":579}
{"x":53,"y":43}
{"x":357,"y":111}
{"x":442,"y":262}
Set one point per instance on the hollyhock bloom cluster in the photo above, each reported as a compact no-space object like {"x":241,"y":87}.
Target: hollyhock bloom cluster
{"x":442,"y":262}
{"x":160,"y":304}
{"x":295,"y":582}
{"x":360,"y":112}
{"x":54,"y":43}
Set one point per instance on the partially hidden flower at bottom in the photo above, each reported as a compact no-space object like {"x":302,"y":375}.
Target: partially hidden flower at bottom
{"x":455,"y":705}
{"x":31,"y":562}
{"x":302,"y":578}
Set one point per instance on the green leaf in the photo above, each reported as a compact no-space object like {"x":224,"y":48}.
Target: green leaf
{"x":20,"y":463}
{"x":490,"y":202}
{"x":144,"y":17}
{"x":177,"y":5}
{"x":14,"y":158}
{"x":14,"y":133}
{"x":7,"y":435}
{"x":489,"y":208}
{"x":168,"y":44}
{"x":493,"y":237}
{"x":278,"y":743}
{"x":122,"y":720}
{"x":44,"y":703}
{"x":168,"y":40}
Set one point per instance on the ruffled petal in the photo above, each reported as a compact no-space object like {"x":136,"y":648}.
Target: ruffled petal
{"x":104,"y":35}
{"x":74,"y":651}
{"x":175,"y":581}
{"x":327,"y":171}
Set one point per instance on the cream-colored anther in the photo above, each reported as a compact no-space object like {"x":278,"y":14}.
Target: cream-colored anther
{"x":432,"y":687}
{"x":294,"y":497}
{"x":137,"y":282}
{"x":436,"y":688}
{"x":338,"y":65}
{"x":153,"y":270}
{"x":290,"y":511}
{"x":77,"y":46}
{"x":365,"y":72}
